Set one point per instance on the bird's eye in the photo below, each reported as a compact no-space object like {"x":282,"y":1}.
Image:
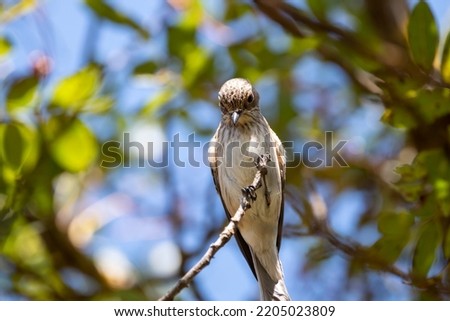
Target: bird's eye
{"x":250,"y":98}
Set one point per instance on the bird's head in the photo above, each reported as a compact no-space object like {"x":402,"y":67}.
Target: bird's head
{"x":238,"y":101}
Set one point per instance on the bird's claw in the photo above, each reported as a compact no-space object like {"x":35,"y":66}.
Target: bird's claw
{"x":261,"y":163}
{"x":249,"y":192}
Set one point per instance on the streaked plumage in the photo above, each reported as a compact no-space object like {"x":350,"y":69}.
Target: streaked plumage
{"x":259,"y":235}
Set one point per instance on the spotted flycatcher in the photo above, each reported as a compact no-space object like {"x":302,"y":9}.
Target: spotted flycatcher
{"x":242,"y":136}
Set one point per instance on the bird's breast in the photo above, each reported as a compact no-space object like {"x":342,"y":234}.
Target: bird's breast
{"x":237,"y":170}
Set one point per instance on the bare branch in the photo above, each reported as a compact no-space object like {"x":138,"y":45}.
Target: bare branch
{"x":247,"y":197}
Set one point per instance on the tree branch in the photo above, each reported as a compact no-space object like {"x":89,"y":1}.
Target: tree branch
{"x":314,"y":216}
{"x":393,"y":59}
{"x":248,"y":196}
{"x":288,"y":17}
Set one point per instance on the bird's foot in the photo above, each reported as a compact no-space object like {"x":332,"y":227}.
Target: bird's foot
{"x":261,"y":163}
{"x":249,"y":193}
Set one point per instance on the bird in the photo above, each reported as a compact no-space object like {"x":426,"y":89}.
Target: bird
{"x":242,"y":136}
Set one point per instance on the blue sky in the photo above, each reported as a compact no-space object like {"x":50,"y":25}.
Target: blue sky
{"x":132,"y":230}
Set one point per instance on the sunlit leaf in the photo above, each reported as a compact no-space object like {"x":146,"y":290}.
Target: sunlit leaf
{"x":20,"y":146}
{"x":73,"y":91}
{"x":25,"y":245}
{"x":425,"y":250}
{"x":99,"y":105}
{"x":198,"y":63}
{"x":105,"y":11}
{"x":427,"y":176}
{"x":445,"y":61}
{"x":303,"y":45}
{"x":193,"y":15}
{"x":442,"y":190}
{"x":75,"y":147}
{"x":5,"y":46}
{"x":411,"y":181}
{"x":157,"y":101}
{"x":22,"y":93}
{"x":423,"y":35}
{"x":20,"y":8}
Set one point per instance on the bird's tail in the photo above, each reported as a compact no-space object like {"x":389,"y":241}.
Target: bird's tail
{"x":270,"y":289}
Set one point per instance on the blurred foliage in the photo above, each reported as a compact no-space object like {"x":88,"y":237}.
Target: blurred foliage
{"x":384,"y":52}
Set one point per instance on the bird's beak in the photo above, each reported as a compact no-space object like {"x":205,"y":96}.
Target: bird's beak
{"x":235,"y":116}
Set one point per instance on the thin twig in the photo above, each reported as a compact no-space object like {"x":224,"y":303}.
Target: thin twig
{"x":247,"y":197}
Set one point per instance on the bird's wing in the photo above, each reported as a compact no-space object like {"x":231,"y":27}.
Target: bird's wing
{"x":214,"y":151}
{"x":281,"y":157}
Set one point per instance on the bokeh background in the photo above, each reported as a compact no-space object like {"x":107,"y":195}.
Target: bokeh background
{"x":76,"y":76}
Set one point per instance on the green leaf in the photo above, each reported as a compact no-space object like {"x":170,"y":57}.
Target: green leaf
{"x":411,"y":183}
{"x":389,"y":247}
{"x":436,"y":163}
{"x":73,"y":91}
{"x":425,"y":250}
{"x":75,"y":147}
{"x":5,"y":46}
{"x":148,"y":67}
{"x":181,"y":40}
{"x":157,"y":101}
{"x":25,"y":244}
{"x":442,"y":189}
{"x":20,"y":146}
{"x":398,"y":117}
{"x":22,"y":93}
{"x":99,"y":105}
{"x":427,"y":210}
{"x":192,"y":15}
{"x":198,"y":64}
{"x":395,"y":224}
{"x":427,"y":176}
{"x":13,"y":146}
{"x":445,"y":61}
{"x":395,"y":230}
{"x":105,"y":11}
{"x":431,"y":104}
{"x":321,"y":8}
{"x":423,"y":36}
{"x":302,"y":45}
